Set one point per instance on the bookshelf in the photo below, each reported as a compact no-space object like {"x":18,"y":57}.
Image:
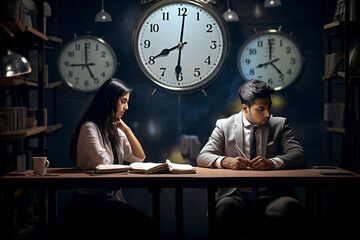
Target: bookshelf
{"x":341,"y":86}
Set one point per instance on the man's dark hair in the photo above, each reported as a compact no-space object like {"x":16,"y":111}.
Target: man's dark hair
{"x":253,"y":89}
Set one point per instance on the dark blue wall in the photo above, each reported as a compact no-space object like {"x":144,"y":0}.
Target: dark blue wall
{"x":195,"y":114}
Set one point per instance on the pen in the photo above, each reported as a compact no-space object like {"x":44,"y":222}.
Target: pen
{"x":243,"y":154}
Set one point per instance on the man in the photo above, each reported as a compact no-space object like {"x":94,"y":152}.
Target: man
{"x":238,"y":210}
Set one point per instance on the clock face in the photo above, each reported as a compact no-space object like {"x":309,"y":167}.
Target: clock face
{"x":271,"y":56}
{"x":180,"y":46}
{"x":85,"y":63}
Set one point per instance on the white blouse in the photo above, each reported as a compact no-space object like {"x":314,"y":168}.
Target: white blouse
{"x":92,"y":150}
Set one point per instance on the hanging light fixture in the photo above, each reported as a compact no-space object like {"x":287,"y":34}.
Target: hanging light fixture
{"x":13,"y":65}
{"x":103,"y":16}
{"x":229,"y":15}
{"x":272,"y":3}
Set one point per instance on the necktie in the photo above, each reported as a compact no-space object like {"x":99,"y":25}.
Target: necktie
{"x":253,"y":142}
{"x":116,"y":159}
{"x":255,"y":190}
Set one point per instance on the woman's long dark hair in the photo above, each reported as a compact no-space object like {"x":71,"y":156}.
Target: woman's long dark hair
{"x":102,"y":111}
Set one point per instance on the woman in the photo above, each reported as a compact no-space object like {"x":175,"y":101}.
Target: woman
{"x":102,"y":124}
{"x":102,"y":137}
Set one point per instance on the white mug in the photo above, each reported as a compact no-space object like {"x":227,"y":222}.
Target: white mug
{"x":40,"y":164}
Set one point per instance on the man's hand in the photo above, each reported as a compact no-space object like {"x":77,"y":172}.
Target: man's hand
{"x":260,"y":163}
{"x":235,"y":163}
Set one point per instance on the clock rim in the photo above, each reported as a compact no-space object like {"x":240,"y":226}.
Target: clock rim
{"x":102,"y":41}
{"x":203,"y":83}
{"x":277,"y":32}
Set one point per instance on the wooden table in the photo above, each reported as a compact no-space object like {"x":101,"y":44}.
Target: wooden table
{"x":211,"y":179}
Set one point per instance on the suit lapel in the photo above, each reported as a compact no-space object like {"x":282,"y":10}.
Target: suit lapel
{"x":264,"y":139}
{"x":239,"y":131}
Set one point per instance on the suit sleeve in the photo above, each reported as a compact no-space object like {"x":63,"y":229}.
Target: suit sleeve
{"x":292,"y":153}
{"x":214,"y":148}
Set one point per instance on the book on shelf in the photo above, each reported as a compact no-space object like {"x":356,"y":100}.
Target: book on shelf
{"x":339,"y":11}
{"x":146,"y":167}
{"x":166,"y":167}
{"x":354,"y":58}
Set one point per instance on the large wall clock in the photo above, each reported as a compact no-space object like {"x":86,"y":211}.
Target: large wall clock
{"x":271,"y":56}
{"x":180,"y":45}
{"x":86,"y":62}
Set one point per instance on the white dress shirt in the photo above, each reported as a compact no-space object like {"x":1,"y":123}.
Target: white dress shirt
{"x":92,"y":151}
{"x":278,"y":163}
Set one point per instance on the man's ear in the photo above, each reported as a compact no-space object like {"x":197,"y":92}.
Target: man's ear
{"x":245,"y":108}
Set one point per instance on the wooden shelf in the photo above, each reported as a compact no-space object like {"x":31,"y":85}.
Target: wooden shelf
{"x":19,"y":80}
{"x":332,"y":25}
{"x":21,"y":134}
{"x":353,"y":25}
{"x":341,"y":74}
{"x":15,"y":26}
{"x":335,"y":129}
{"x":54,"y":84}
{"x":53,"y":128}
{"x":55,"y":39}
{"x":333,"y":75}
{"x":36,"y":33}
{"x":15,"y":81}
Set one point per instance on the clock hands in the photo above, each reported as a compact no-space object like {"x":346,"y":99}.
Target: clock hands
{"x":272,"y":64}
{"x":178,"y":67}
{"x":91,"y":74}
{"x":81,"y":65}
{"x":166,"y":51}
{"x":267,"y":63}
{"x":86,"y":62}
{"x":270,"y":50}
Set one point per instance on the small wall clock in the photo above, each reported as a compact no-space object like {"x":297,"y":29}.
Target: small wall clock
{"x":86,"y":62}
{"x":180,"y":45}
{"x":271,"y":56}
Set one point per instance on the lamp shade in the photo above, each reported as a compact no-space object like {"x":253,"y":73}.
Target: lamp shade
{"x":272,"y":3}
{"x":230,"y":16}
{"x":103,"y":16}
{"x":13,"y":65}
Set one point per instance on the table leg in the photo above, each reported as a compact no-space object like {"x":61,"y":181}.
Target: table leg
{"x":42,"y":207}
{"x":156,"y":206}
{"x":52,"y":211}
{"x":314,"y":200}
{"x":179,"y":208}
{"x":211,"y":212}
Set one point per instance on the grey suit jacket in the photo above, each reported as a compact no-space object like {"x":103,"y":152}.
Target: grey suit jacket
{"x":278,"y":140}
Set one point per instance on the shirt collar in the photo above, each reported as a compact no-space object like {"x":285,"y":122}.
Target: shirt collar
{"x":246,"y":122}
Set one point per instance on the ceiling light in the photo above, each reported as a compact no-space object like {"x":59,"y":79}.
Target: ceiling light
{"x":272,"y":3}
{"x":103,"y":16}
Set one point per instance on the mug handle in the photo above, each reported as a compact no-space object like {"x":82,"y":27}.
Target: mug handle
{"x":47,"y":163}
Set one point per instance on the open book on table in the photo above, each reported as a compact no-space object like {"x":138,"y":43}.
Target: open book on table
{"x":168,"y":166}
{"x":147,"y":167}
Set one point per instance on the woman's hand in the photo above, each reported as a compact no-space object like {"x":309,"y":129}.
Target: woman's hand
{"x":122,"y":125}
{"x":135,"y":144}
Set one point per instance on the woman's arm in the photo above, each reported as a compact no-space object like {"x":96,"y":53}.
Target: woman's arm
{"x":134,"y":142}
